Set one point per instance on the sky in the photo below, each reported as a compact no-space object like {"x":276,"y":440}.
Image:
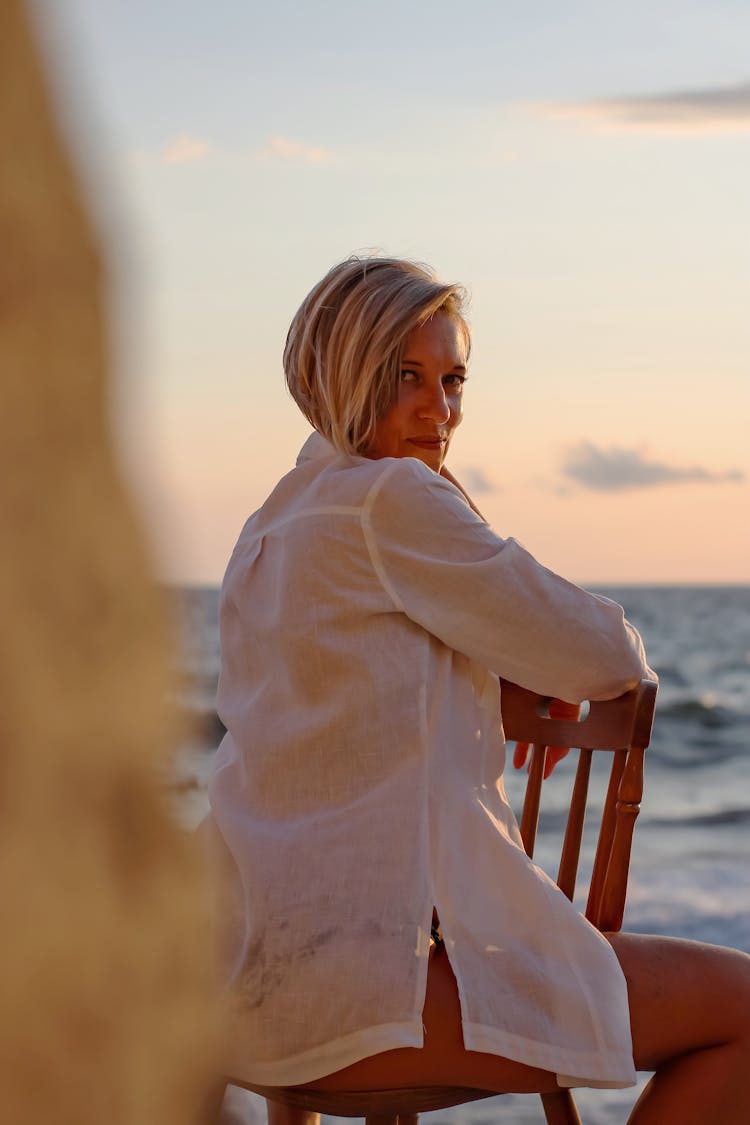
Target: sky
{"x":582,"y":168}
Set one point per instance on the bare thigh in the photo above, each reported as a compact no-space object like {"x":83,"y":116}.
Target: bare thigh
{"x":443,"y":1061}
{"x":684,"y":996}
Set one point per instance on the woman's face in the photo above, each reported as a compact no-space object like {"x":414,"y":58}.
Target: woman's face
{"x":429,"y":405}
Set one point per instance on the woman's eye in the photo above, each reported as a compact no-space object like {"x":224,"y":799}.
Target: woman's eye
{"x":455,"y":381}
{"x":408,"y":376}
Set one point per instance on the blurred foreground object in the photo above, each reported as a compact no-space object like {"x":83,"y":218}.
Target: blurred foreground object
{"x":102,"y":1015}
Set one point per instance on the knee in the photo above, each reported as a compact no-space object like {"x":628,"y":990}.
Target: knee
{"x":737,"y":985}
{"x":721,"y":981}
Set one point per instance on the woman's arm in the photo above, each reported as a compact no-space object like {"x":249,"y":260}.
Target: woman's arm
{"x":559,"y":709}
{"x":489,"y":598}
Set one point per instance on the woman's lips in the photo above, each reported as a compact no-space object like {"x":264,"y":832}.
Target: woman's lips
{"x":428,"y":442}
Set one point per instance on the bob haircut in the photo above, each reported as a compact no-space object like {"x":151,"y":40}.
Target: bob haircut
{"x":344,"y":349}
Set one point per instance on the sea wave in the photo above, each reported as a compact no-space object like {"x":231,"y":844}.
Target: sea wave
{"x":703,"y":710}
{"x":736,"y":817}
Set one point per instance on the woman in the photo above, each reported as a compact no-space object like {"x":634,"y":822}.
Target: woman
{"x":367,"y":613}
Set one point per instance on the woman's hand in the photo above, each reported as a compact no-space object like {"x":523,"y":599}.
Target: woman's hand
{"x":558,"y":709}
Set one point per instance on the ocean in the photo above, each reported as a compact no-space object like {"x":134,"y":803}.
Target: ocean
{"x":690,"y":871}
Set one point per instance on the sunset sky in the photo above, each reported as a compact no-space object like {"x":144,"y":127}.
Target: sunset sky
{"x":583,"y":168}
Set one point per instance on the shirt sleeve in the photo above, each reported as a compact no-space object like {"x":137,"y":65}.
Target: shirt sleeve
{"x":489,"y":598}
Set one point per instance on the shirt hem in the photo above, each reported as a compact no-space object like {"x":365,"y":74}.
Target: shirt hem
{"x":326,"y":1059}
{"x":604,"y":1069}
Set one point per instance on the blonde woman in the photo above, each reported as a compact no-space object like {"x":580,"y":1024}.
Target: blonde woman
{"x":382,"y":926}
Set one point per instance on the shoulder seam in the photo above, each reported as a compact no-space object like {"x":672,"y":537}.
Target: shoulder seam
{"x":369,"y":534}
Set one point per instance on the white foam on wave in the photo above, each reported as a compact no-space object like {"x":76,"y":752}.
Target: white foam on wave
{"x":707,"y":901}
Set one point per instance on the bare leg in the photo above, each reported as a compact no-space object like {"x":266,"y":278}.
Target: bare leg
{"x":690,"y":1017}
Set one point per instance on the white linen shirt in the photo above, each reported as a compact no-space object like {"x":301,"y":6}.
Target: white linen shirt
{"x":366,"y":615}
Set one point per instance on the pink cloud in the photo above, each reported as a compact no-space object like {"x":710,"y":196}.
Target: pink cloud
{"x":285,"y":149}
{"x":721,"y":109}
{"x":184,"y":149}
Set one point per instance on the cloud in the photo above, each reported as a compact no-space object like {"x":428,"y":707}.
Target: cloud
{"x":475,"y":481}
{"x":616,"y":469}
{"x":719,"y":109}
{"x":184,"y":149}
{"x":282,"y":148}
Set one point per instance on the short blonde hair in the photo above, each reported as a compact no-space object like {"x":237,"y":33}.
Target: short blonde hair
{"x":345,"y":345}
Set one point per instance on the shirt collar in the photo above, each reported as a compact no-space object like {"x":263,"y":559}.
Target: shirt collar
{"x":316,"y":448}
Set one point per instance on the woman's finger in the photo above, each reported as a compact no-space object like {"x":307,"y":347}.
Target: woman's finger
{"x":558,"y":709}
{"x":520,"y":754}
{"x":555,"y":754}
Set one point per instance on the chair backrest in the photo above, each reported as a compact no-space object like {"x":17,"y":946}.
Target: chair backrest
{"x":621,"y":726}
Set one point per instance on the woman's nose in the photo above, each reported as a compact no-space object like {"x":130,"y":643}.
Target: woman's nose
{"x":433,"y":403}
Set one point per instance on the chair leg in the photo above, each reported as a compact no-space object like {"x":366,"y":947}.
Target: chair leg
{"x":408,"y":1118}
{"x":279,"y":1114}
{"x":560,"y":1109}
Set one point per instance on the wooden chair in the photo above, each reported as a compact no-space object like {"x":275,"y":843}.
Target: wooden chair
{"x":620,"y":726}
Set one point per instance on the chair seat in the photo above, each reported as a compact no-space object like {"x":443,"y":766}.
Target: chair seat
{"x":366,"y":1103}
